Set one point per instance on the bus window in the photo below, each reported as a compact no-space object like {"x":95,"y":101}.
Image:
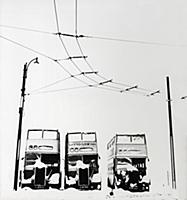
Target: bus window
{"x":138,"y":139}
{"x":74,"y":137}
{"x":50,"y":135}
{"x":121,"y":139}
{"x":89,"y":137}
{"x":35,"y":134}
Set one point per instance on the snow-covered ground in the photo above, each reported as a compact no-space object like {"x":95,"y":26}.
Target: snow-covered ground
{"x":73,"y":194}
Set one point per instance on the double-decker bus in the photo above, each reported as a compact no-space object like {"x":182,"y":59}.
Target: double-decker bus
{"x":41,"y":165}
{"x":127,"y":157}
{"x":81,"y":161}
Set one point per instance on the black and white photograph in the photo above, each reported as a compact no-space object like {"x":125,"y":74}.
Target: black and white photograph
{"x":93,"y":99}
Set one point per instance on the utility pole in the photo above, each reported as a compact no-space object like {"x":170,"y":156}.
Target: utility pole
{"x":21,"y":108}
{"x":172,"y":154}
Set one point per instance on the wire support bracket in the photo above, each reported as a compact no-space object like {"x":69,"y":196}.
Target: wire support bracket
{"x":153,"y":93}
{"x":105,"y":82}
{"x":92,"y":72}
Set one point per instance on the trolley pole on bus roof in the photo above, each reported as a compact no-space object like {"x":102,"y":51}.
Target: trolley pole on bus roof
{"x":35,"y":60}
{"x":172,"y":153}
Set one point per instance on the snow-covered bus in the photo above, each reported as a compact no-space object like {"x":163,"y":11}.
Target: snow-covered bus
{"x":81,"y":161}
{"x":41,"y":165}
{"x":127,"y":158}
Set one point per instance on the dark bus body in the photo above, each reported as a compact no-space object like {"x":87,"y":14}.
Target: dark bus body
{"x":127,"y":158}
{"x":41,"y":164}
{"x":81,"y":161}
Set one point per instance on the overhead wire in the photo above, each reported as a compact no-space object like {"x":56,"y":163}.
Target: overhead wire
{"x":52,"y":84}
{"x":46,"y":56}
{"x":81,"y":50}
{"x":126,"y":85}
{"x":103,"y":87}
{"x":72,"y":74}
{"x":95,"y":37}
{"x":82,"y":53}
{"x":75,"y":17}
{"x":72,"y":88}
{"x":63,"y":44}
{"x":76,"y":36}
{"x":26,"y":47}
{"x":26,"y":29}
{"x":58,"y":90}
{"x":39,"y":53}
{"x":90,"y":66}
{"x":56,"y":16}
{"x":142,"y":42}
{"x":66,"y":50}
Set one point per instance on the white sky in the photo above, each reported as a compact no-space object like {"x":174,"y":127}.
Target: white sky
{"x":91,"y":109}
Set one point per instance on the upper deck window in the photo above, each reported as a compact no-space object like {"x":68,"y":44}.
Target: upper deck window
{"x":131,"y":139}
{"x":50,"y":135}
{"x":35,"y":134}
{"x":40,"y":134}
{"x":138,"y":140}
{"x":89,"y":137}
{"x":74,"y":137}
{"x":123,"y":139}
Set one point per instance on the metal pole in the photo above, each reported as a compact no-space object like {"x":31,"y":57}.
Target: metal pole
{"x":21,"y":108}
{"x":173,"y":173}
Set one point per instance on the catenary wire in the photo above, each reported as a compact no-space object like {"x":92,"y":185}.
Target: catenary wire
{"x":101,"y":85}
{"x":122,"y":84}
{"x":61,"y":40}
{"x":75,"y":17}
{"x":71,"y":88}
{"x":26,"y":47}
{"x":56,"y":16}
{"x":89,"y":65}
{"x":95,"y":37}
{"x":35,"y":51}
{"x":26,"y":29}
{"x":67,"y":52}
{"x":133,"y":41}
{"x":82,"y":53}
{"x":53,"y":83}
{"x":65,"y":48}
{"x":52,"y":58}
{"x":104,"y":78}
{"x":44,"y":55}
{"x":58,"y":90}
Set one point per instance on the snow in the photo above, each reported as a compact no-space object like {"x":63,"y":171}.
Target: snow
{"x":71,"y":193}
